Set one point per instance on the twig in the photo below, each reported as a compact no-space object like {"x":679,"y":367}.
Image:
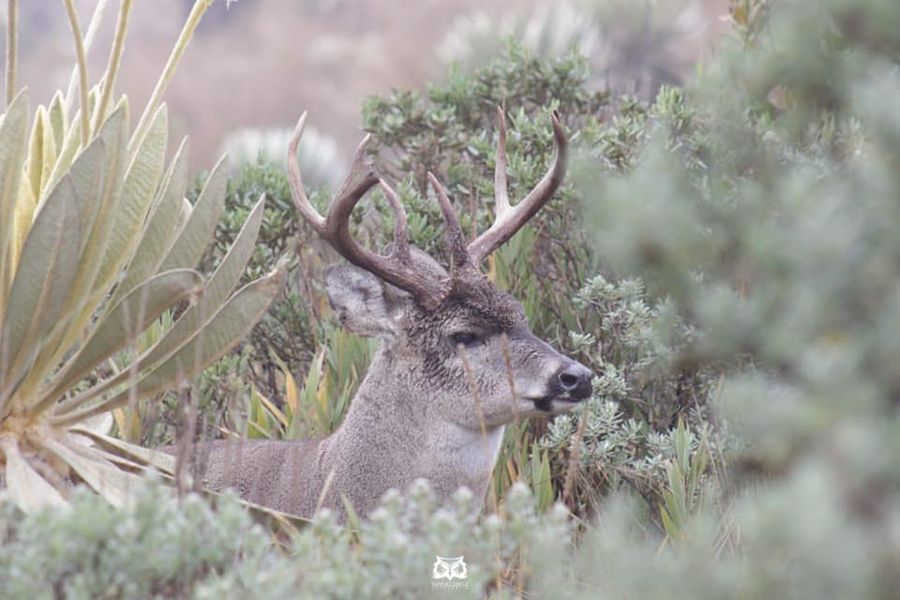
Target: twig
{"x":507,"y":363}
{"x":82,"y":71}
{"x":12,"y":48}
{"x":115,"y":59}
{"x":574,"y":459}
{"x":185,"y":445}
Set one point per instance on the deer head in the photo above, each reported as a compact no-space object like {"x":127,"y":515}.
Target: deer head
{"x":459,"y":348}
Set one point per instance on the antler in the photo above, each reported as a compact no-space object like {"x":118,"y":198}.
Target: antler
{"x":512,"y":218}
{"x":395,"y":268}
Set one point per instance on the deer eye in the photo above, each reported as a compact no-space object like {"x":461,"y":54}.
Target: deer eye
{"x":465,"y":338}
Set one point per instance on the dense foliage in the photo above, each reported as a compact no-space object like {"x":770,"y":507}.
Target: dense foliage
{"x":160,"y":547}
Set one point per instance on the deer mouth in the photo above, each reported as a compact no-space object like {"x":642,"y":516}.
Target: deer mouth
{"x":546,"y":403}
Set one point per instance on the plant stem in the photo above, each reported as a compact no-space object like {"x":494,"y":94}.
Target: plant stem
{"x":115,"y":59}
{"x":190,"y":25}
{"x":12,"y":48}
{"x":82,"y":71}
{"x":93,"y":26}
{"x":575,"y":457}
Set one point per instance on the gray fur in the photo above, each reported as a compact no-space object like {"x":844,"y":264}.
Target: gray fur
{"x":415,"y":415}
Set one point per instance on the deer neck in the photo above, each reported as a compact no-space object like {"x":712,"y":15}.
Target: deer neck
{"x":394,"y":436}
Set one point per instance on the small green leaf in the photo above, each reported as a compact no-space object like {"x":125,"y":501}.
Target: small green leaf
{"x":12,"y":153}
{"x":198,"y":231}
{"x":133,"y":205}
{"x":57,"y":119}
{"x":36,"y":151}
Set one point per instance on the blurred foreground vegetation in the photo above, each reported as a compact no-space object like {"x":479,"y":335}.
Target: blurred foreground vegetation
{"x":726,"y":258}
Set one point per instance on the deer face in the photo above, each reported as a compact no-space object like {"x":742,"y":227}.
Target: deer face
{"x":470,"y":361}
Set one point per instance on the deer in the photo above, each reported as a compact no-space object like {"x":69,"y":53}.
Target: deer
{"x":455,"y":364}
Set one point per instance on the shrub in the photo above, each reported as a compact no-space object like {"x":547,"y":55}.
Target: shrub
{"x":97,"y":246}
{"x":162,"y":547}
{"x":778,"y":248}
{"x":154,"y":548}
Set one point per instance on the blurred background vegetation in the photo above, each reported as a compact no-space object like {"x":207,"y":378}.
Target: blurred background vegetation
{"x":257,"y":63}
{"x":725,"y":256}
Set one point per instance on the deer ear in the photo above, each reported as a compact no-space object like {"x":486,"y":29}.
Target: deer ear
{"x":363,"y":303}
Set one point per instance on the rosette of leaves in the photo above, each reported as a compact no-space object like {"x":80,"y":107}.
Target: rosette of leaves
{"x":97,"y":243}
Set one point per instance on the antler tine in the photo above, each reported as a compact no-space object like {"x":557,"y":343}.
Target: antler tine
{"x":510,"y":219}
{"x":395,"y":268}
{"x":359,"y":180}
{"x":501,"y":190}
{"x":298,"y":193}
{"x":401,"y":231}
{"x":453,"y":235}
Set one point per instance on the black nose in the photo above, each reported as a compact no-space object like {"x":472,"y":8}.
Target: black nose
{"x":576,"y":380}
